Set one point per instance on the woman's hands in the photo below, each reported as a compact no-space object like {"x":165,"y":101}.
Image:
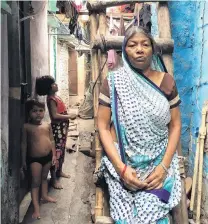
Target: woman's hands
{"x":54,"y":160}
{"x":131,"y":180}
{"x":156,"y":178}
{"x":154,"y":181}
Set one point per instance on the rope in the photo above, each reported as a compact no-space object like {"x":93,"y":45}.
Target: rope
{"x":100,"y":72}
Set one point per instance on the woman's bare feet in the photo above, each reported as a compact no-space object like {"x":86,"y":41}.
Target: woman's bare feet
{"x":36,"y":215}
{"x":49,"y":199}
{"x":56,"y":185}
{"x":62,"y":174}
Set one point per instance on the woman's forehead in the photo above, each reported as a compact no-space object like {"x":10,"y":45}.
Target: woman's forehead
{"x":139,"y":37}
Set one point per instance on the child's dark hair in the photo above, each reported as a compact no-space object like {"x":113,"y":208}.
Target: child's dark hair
{"x":43,"y":85}
{"x":31,"y":103}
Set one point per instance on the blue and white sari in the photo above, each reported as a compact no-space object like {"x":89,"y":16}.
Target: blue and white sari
{"x":140,"y":114}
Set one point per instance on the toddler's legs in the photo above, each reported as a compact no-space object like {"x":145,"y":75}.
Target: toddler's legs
{"x":45,"y":171}
{"x":36,"y":170}
{"x":55,"y":182}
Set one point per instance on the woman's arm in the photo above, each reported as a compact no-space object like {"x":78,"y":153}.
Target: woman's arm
{"x":104,"y":119}
{"x":53,"y":112}
{"x":129,"y":178}
{"x":156,"y":178}
{"x":174,"y":136}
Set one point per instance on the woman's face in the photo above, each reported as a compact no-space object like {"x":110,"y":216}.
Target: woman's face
{"x":139,"y":51}
{"x":54,"y":87}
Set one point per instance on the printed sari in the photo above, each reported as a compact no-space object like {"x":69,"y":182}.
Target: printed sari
{"x":140,"y":114}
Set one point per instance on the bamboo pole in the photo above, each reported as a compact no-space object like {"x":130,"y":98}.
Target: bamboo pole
{"x":180,"y":213}
{"x":196,"y":166}
{"x":202,"y":134}
{"x":95,"y":72}
{"x":115,"y":42}
{"x":103,"y":56}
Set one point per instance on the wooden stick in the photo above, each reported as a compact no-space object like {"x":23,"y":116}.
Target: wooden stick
{"x":103,"y":55}
{"x":202,"y":134}
{"x":95,"y":71}
{"x":196,"y":166}
{"x":115,"y":42}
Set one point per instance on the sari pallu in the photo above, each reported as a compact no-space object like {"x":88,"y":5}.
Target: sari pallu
{"x":141,"y":114}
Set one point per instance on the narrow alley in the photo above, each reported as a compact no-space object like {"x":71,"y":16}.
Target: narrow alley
{"x":115,"y":92}
{"x":77,"y":198}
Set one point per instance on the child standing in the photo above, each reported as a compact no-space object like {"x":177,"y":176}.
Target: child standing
{"x":38,"y":152}
{"x":46,"y":85}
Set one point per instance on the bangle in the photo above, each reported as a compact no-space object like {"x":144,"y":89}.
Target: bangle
{"x":123,"y":171}
{"x":164,"y":167}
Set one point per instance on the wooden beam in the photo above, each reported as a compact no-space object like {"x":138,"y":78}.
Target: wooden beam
{"x":95,"y":72}
{"x":115,"y":42}
{"x":100,"y":5}
{"x":120,"y":14}
{"x":119,"y":17}
{"x":103,"y":55}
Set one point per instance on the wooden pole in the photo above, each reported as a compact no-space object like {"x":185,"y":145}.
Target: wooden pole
{"x":94,"y":60}
{"x":163,"y":17}
{"x":103,"y":56}
{"x":100,"y":4}
{"x":180,"y":213}
{"x":95,"y":72}
{"x":202,"y":134}
{"x":115,"y":42}
{"x":196,"y":166}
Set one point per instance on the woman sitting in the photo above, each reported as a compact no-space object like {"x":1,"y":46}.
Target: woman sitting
{"x":139,"y":125}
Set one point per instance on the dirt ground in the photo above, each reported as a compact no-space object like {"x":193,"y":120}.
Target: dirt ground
{"x":76,"y":200}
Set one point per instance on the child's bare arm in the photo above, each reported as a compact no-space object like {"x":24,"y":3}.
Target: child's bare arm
{"x":53,"y":112}
{"x":24,"y":146}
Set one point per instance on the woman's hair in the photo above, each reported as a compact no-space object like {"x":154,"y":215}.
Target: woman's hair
{"x":43,"y":85}
{"x":31,"y":103}
{"x":131,"y":31}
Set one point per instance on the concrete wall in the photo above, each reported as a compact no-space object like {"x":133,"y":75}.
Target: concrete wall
{"x":39,"y":41}
{"x":52,"y":42}
{"x":190,"y":33}
{"x":4,"y":118}
{"x":62,"y":72}
{"x":200,"y":92}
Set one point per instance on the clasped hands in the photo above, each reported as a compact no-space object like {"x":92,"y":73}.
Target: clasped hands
{"x":153,"y":181}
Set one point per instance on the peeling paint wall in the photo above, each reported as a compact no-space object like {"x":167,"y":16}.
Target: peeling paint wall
{"x":52,"y":51}
{"x":39,"y":42}
{"x":189,"y":24}
{"x":62,"y":72}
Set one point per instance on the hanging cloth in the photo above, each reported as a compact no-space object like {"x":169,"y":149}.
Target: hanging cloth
{"x":112,"y":59}
{"x":145,"y":17}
